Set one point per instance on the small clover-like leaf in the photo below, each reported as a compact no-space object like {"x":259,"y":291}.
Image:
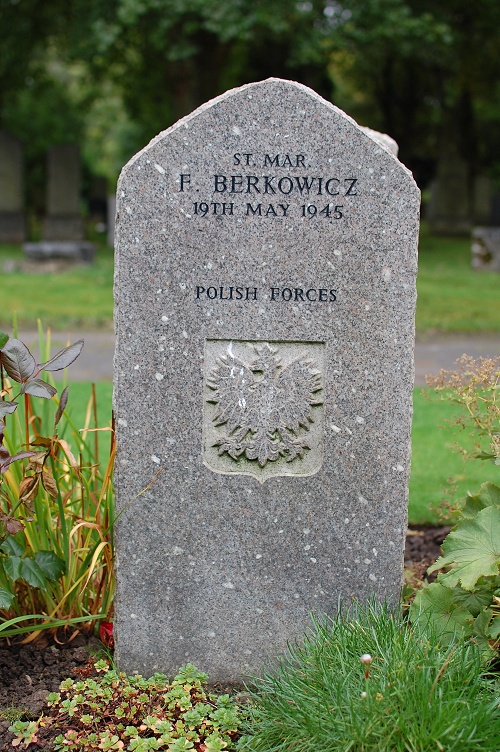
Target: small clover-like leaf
{"x":472,"y":550}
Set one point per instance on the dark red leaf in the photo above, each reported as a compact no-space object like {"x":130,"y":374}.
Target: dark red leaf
{"x":62,"y":406}
{"x":6,"y":461}
{"x":38,"y":388}
{"x":63,"y":358}
{"x":106,"y":634}
{"x":14,"y":526}
{"x":7,"y":407}
{"x":17,"y":360}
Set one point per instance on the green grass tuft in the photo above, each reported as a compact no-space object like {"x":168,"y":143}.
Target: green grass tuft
{"x":420,"y":697}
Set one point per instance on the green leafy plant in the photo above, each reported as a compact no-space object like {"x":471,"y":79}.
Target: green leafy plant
{"x":55,"y":510}
{"x":118,"y":712}
{"x":368,"y":682}
{"x":465,"y":598}
{"x":474,"y":387}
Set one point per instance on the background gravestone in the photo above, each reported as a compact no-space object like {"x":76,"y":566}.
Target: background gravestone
{"x":12,"y":220}
{"x":63,"y":221}
{"x":266,"y":252}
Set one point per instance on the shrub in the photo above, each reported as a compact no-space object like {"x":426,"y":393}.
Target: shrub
{"x":56,"y":502}
{"x":465,"y":599}
{"x":474,"y":387}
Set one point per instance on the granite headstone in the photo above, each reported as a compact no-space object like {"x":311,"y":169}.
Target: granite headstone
{"x":12,"y":216}
{"x":266,"y":254}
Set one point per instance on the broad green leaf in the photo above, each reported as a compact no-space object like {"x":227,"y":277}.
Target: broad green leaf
{"x":482,"y":633}
{"x":4,"y":338}
{"x":38,"y":388}
{"x":488,"y":495}
{"x":63,"y":358}
{"x":474,"y":601}
{"x":495,"y":628}
{"x":435,"y":605}
{"x":6,"y":597}
{"x":17,"y":360}
{"x":472,"y":550}
{"x":14,"y":545}
{"x":50,"y":564}
{"x":31,"y":572}
{"x":12,"y":566}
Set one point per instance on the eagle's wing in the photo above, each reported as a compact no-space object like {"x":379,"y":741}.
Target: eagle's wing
{"x":299,"y":386}
{"x":231,"y":380}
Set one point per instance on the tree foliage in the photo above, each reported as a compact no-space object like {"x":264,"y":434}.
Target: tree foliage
{"x":424,"y":72}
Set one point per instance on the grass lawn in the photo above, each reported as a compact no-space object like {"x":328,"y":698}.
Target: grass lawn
{"x":451,"y":297}
{"x":81,"y":298}
{"x":434,"y":464}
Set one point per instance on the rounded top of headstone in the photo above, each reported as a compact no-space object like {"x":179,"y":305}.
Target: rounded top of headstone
{"x":281,"y":103}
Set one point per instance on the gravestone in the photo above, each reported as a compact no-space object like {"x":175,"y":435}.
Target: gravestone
{"x":63,"y":221}
{"x":449,"y":211}
{"x":486,"y":249}
{"x":63,"y":228}
{"x":266,"y":253}
{"x":12,"y":219}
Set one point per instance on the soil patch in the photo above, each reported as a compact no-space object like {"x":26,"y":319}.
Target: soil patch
{"x":29,"y":672}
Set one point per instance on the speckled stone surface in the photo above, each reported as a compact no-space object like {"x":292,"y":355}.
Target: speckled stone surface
{"x":265,"y":294}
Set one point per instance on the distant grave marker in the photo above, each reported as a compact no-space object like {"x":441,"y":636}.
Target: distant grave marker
{"x":266,"y":255}
{"x":486,"y":249}
{"x":63,"y":228}
{"x":12,"y":218}
{"x":64,"y":220}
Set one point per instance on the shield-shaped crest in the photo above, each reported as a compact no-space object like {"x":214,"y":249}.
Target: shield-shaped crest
{"x":263,"y":407}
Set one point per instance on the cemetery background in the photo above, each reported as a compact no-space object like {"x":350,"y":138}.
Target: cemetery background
{"x":478,"y":24}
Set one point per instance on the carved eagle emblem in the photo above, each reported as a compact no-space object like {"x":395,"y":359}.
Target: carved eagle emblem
{"x":264,"y":405}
